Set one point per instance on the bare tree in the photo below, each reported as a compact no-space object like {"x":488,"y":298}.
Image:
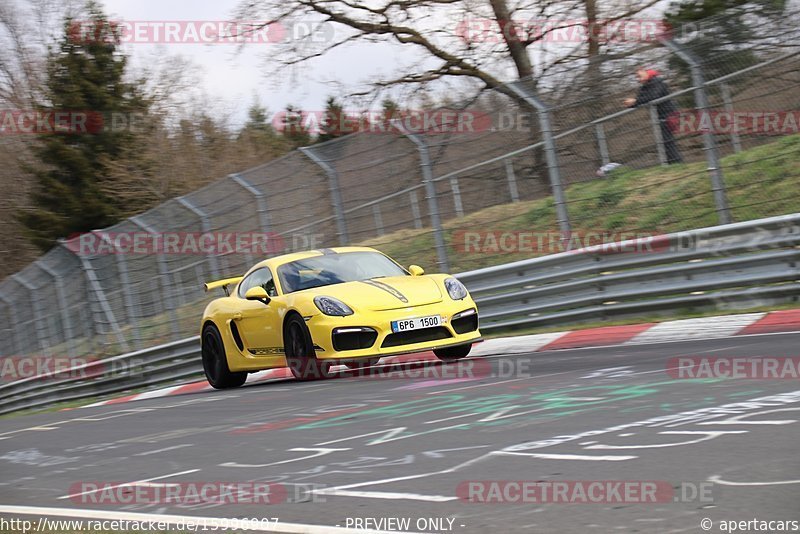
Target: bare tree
{"x":488,"y":41}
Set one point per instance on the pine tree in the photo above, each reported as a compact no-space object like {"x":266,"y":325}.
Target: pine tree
{"x":332,"y":121}
{"x":84,"y":79}
{"x":721,"y":31}
{"x":294,"y":128}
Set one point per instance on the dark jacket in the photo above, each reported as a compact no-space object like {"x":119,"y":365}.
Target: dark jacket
{"x":652,"y":89}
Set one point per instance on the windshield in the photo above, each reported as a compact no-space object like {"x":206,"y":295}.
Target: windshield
{"x":334,"y":269}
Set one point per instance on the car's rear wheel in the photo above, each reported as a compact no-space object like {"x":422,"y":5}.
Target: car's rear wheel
{"x":300,"y":356}
{"x":360,"y":364}
{"x":450,"y":354}
{"x":215,"y":362}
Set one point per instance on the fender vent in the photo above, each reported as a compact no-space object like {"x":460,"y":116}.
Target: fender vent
{"x":236,"y":337}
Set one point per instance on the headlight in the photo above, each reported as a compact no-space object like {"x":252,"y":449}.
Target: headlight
{"x":455,"y":289}
{"x":332,"y":306}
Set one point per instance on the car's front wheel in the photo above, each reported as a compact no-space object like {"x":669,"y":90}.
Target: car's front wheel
{"x":215,"y":362}
{"x":450,"y":354}
{"x":300,"y":356}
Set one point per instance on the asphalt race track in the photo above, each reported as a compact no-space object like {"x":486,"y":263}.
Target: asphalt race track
{"x":384,"y":447}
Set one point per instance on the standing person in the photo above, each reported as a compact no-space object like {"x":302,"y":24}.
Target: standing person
{"x":653,"y":87}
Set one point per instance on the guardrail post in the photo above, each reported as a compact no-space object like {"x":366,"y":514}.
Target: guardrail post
{"x":63,"y":307}
{"x":17,"y":344}
{"x":430,"y":193}
{"x":38,"y":315}
{"x":552,"y":156}
{"x":512,"y":181}
{"x":206,"y":227}
{"x":376,"y":213}
{"x":336,"y":193}
{"x":261,"y":202}
{"x":95,"y":288}
{"x":166,"y":288}
{"x":703,"y":106}
{"x":125,"y":285}
{"x":728,"y":100}
{"x":459,"y":207}
{"x":602,"y":143}
{"x":415,"y":209}
{"x":656,"y":123}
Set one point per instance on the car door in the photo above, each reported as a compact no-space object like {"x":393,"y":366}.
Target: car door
{"x":259,"y":324}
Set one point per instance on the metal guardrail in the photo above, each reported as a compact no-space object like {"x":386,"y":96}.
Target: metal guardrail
{"x":734,"y":265}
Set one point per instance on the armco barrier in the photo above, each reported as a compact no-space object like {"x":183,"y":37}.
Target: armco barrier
{"x":734,"y":265}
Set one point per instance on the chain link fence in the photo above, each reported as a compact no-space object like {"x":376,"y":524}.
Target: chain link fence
{"x":530,"y":168}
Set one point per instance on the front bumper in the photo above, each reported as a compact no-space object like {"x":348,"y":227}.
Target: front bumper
{"x":387,"y":343}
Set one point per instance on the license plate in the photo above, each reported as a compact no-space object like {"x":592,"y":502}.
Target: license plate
{"x":417,"y":323}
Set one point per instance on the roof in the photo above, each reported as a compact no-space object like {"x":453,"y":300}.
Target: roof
{"x":294,"y":256}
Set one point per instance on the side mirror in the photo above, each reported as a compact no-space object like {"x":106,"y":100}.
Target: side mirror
{"x":416,"y":270}
{"x":257,"y":293}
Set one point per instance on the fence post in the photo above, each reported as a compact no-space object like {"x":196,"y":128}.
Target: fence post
{"x":336,"y":193}
{"x":166,"y":295}
{"x":512,"y":180}
{"x":726,"y":98}
{"x":38,"y":316}
{"x":63,"y":307}
{"x":124,"y":282}
{"x":552,"y":156}
{"x":206,"y":227}
{"x":702,"y":105}
{"x":415,"y":209}
{"x":17,"y":344}
{"x":602,"y":143}
{"x":656,"y":123}
{"x":376,"y":213}
{"x":430,"y":193}
{"x":261,"y":202}
{"x":459,"y":207}
{"x":95,"y":288}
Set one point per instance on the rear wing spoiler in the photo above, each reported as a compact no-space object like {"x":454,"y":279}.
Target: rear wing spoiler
{"x":208,"y":286}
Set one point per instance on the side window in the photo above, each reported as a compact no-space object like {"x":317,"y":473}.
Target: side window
{"x":260,"y":277}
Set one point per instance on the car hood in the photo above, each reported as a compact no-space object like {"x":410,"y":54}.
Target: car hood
{"x":389,"y":293}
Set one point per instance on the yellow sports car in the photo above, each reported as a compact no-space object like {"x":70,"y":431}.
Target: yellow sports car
{"x":348,"y":305}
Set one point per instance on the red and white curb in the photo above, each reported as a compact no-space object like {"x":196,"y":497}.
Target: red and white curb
{"x":636,"y":334}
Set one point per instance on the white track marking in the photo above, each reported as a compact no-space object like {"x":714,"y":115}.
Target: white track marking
{"x":391,"y":495}
{"x":717,"y":480}
{"x":165,"y":449}
{"x":451,"y":418}
{"x":390,"y":433}
{"x":584,"y":457}
{"x":706,"y":436}
{"x":291,"y":528}
{"x":532,"y":377}
{"x":320,"y":452}
{"x":103,"y":488}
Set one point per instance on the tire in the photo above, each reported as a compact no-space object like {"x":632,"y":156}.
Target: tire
{"x":450,"y":354}
{"x":300,"y":354}
{"x":215,"y":361}
{"x":360,"y":364}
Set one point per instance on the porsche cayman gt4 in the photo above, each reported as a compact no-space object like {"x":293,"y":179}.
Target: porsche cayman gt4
{"x":346,"y":305}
